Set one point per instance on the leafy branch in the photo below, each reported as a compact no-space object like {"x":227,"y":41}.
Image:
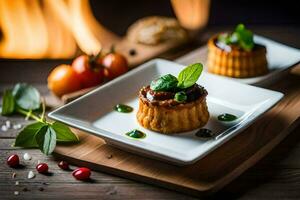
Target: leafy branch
{"x":26,"y":100}
{"x":186,"y":78}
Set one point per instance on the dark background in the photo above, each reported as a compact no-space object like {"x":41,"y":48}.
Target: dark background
{"x":117,"y":15}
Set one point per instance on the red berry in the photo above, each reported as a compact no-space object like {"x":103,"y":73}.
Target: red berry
{"x":42,"y":168}
{"x":13,"y":160}
{"x":81,"y":173}
{"x":63,"y":165}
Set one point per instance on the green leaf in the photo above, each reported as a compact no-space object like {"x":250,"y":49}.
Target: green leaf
{"x":189,"y":75}
{"x":180,"y":96}
{"x":46,"y":139}
{"x":245,"y":37}
{"x":224,"y":37}
{"x":165,"y":83}
{"x":241,"y":37}
{"x":26,"y":96}
{"x":63,"y":133}
{"x":26,"y":138}
{"x":8,"y":103}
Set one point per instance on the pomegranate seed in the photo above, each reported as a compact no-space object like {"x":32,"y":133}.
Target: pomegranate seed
{"x":13,"y":160}
{"x":63,"y":165}
{"x":81,"y":173}
{"x":42,"y":168}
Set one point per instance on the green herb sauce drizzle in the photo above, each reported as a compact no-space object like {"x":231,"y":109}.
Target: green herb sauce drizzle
{"x":123,"y":108}
{"x":227,"y":117}
{"x":204,"y":133}
{"x":136,"y":134}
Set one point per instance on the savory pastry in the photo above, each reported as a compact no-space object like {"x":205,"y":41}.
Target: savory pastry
{"x":155,"y":30}
{"x":173,"y":105}
{"x":236,"y":55}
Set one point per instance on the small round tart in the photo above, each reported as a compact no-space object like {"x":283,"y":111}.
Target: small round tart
{"x":159,"y":111}
{"x":232,"y":61}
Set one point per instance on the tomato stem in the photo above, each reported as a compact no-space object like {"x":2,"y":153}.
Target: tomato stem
{"x":93,"y":61}
{"x":94,"y":58}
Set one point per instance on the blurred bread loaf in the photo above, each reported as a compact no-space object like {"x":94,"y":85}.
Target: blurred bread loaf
{"x":155,"y":30}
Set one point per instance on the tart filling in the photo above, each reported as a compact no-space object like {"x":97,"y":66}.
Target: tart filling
{"x":234,"y":47}
{"x":167,"y":99}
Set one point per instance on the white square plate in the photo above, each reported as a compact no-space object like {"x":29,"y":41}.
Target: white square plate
{"x":94,"y":113}
{"x":280,"y":58}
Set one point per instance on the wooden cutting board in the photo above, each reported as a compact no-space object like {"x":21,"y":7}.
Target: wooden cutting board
{"x":213,"y":171}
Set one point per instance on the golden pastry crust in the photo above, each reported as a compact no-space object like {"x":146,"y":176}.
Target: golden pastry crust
{"x":173,"y":119}
{"x":236,"y":63}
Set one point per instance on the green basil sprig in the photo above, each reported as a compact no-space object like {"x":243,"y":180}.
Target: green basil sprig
{"x":165,"y":83}
{"x":186,"y":78}
{"x":189,"y":76}
{"x":241,"y":36}
{"x":25,"y":99}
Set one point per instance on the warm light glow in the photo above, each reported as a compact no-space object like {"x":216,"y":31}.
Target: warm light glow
{"x":50,"y":29}
{"x":192,"y":14}
{"x":63,"y":44}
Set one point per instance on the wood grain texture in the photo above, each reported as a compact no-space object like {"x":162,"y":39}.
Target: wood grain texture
{"x":210,"y":173}
{"x":61,"y":183}
{"x":274,"y":177}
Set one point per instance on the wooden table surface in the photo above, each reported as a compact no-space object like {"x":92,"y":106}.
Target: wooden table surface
{"x":277,"y":176}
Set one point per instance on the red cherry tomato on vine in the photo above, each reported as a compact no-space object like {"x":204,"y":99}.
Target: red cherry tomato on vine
{"x":115,"y":64}
{"x":63,"y":80}
{"x":88,"y":71}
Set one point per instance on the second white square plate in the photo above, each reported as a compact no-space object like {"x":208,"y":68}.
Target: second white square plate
{"x":94,"y":113}
{"x":280,"y":59}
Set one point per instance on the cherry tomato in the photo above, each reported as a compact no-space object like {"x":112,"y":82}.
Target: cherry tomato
{"x":89,"y":72}
{"x":82,"y":173}
{"x":115,"y":64}
{"x":13,"y":160}
{"x":42,"y":168}
{"x":63,"y":80}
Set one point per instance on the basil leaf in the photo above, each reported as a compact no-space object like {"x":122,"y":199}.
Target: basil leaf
{"x":245,"y":37}
{"x":223,"y":38}
{"x":233,"y":38}
{"x":26,"y":138}
{"x":26,"y":96}
{"x":63,"y":133}
{"x":165,"y":83}
{"x":180,"y":96}
{"x":241,"y":37}
{"x":189,"y":75}
{"x":8,"y":103}
{"x":46,"y":139}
